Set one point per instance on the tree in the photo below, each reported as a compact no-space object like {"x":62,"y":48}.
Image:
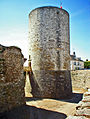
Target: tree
{"x":87,"y":64}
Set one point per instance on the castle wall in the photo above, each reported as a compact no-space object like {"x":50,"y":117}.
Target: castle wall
{"x":11,"y":78}
{"x":80,"y":79}
{"x":49,"y":48}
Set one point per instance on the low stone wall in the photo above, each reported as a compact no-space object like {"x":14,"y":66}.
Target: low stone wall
{"x":11,"y":78}
{"x":80,"y":79}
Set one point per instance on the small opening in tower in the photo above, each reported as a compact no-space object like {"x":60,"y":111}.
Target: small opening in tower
{"x":58,"y":12}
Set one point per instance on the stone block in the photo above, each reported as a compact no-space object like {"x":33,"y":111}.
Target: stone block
{"x":76,"y":117}
{"x":82,"y":105}
{"x":87,"y":94}
{"x":86,"y":99}
{"x":83,"y":112}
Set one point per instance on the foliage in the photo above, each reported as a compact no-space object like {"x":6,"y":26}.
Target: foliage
{"x":87,"y":64}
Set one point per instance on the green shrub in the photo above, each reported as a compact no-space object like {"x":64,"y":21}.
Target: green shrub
{"x":87,"y":64}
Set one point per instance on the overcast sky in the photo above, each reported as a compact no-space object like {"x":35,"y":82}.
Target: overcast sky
{"x":14,"y":23}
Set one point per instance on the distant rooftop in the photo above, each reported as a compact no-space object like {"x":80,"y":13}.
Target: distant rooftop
{"x":73,"y":57}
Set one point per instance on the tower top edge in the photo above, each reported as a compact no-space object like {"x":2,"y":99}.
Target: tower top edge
{"x":49,"y":7}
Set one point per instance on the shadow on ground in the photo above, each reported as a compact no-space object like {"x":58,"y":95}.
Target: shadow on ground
{"x":33,"y":99}
{"x":75,"y":98}
{"x":31,"y":112}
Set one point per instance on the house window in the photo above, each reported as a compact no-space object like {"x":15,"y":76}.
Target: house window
{"x":78,"y":63}
{"x":74,"y":63}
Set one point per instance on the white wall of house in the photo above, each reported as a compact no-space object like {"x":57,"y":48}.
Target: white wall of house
{"x":76,"y":65}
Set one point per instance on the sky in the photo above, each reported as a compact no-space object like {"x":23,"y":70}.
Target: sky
{"x":14,"y":22}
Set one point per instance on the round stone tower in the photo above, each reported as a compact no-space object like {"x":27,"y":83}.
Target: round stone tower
{"x":49,"y":48}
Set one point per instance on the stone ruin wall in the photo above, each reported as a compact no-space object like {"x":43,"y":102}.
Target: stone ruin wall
{"x":11,"y":78}
{"x":80,"y":79}
{"x":82,"y":108}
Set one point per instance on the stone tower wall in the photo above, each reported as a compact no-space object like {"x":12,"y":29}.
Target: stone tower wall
{"x":11,"y":78}
{"x":49,"y":48}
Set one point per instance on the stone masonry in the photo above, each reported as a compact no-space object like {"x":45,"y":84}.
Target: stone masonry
{"x":11,"y":78}
{"x":80,"y":79}
{"x":83,"y":108}
{"x":49,"y":48}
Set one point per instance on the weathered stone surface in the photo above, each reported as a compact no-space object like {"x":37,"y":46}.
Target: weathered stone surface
{"x":82,"y":105}
{"x":86,"y":94}
{"x":11,"y":78}
{"x":83,"y":108}
{"x":86,"y":99}
{"x":83,"y":112}
{"x":80,"y":79}
{"x":76,"y":117}
{"x":49,"y":48}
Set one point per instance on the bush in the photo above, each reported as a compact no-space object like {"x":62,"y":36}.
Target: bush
{"x":87,"y":65}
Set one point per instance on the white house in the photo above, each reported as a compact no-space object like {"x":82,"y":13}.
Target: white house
{"x":76,"y":62}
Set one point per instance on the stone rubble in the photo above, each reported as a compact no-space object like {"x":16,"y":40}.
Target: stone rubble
{"x":82,"y":105}
{"x":76,"y":117}
{"x":83,"y":108}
